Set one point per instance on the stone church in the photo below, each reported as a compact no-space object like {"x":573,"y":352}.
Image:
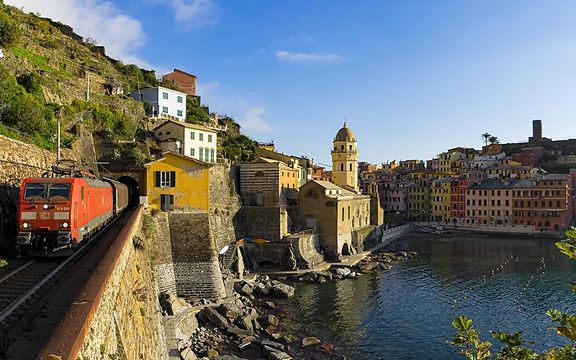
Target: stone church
{"x":342,"y":217}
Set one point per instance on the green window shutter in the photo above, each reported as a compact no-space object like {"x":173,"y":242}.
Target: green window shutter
{"x":157,"y":176}
{"x":172,"y":178}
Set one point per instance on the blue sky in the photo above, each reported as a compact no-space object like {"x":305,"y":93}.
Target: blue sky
{"x":412,"y":78}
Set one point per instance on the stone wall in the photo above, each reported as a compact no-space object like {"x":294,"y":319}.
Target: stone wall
{"x":163,"y":261}
{"x":269,"y":223}
{"x":306,"y":247}
{"x":195,"y":257}
{"x":224,"y":206}
{"x":18,"y":160}
{"x":366,"y":237}
{"x":127,"y":322}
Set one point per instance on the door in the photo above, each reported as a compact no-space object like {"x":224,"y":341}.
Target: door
{"x":166,"y":202}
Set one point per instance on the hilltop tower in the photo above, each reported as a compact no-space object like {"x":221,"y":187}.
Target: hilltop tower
{"x":345,"y":159}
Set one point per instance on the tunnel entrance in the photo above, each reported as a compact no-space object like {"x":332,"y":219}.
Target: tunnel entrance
{"x":345,"y":249}
{"x":133,"y":187}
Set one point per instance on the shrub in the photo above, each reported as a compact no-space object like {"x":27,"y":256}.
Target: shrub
{"x":9,"y":31}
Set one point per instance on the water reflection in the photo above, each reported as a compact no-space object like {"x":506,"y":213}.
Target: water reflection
{"x":503,"y":283}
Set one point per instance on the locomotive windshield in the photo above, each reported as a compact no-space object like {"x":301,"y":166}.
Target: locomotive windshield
{"x":51,"y":192}
{"x":35,"y":191}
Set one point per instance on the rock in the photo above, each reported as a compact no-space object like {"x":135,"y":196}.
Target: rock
{"x":270,"y":305}
{"x":256,"y":325}
{"x":245,"y":290}
{"x":229,"y":357}
{"x":325,"y":274}
{"x":214,"y":317}
{"x":179,"y":305}
{"x":211,"y":353}
{"x":261,"y":290}
{"x":343,"y":271}
{"x":283,"y":290}
{"x":352,"y":275}
{"x":235,"y":330}
{"x":274,"y":345}
{"x":188,"y":354}
{"x":246,"y":323}
{"x":277,"y":335}
{"x":279,"y":355}
{"x":290,"y":338}
{"x":310,"y":341}
{"x":326,"y":347}
{"x":230,"y":310}
{"x":272,"y":320}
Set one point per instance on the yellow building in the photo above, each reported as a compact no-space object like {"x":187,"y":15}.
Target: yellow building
{"x":177,"y":182}
{"x":418,"y":199}
{"x":440,"y":199}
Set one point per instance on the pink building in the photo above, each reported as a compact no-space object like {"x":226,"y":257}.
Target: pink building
{"x":489,"y":202}
{"x":393,"y":196}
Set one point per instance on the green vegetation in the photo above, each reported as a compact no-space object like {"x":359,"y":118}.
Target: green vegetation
{"x":236,"y":147}
{"x":39,"y":61}
{"x":468,"y":342}
{"x":9,"y":30}
{"x":3,"y":263}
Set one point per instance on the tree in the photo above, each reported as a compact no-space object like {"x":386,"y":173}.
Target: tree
{"x":486,"y":137}
{"x":493,"y":140}
{"x":469,"y":344}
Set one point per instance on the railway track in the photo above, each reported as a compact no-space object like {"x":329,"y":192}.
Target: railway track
{"x":22,"y":289}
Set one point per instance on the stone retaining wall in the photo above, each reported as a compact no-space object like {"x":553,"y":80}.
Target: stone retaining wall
{"x":127,"y":322}
{"x":195,"y":256}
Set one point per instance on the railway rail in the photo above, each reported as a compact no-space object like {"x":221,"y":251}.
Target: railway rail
{"x":21,"y":289}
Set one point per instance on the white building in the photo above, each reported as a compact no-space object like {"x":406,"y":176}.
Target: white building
{"x":163,"y":101}
{"x":195,"y":141}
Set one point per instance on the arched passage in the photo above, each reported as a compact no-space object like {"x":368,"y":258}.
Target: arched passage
{"x":134,"y":188}
{"x":345,"y":249}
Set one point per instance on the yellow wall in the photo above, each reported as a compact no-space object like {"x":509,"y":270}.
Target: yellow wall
{"x":192,"y":188}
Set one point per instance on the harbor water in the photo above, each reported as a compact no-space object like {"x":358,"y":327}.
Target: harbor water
{"x":503,"y":283}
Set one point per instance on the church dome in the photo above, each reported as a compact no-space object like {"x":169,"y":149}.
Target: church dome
{"x":345,"y":134}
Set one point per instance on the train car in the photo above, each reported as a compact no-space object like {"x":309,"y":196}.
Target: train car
{"x":56,"y":214}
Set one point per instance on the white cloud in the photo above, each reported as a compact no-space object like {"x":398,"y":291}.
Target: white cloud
{"x":307,"y":57}
{"x":253,"y":121}
{"x":202,"y":89}
{"x":190,"y":13}
{"x":122,"y":35}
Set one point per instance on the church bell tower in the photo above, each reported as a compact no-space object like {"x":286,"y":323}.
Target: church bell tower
{"x":345,"y":160}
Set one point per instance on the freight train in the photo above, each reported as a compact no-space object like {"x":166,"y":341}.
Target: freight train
{"x":56,"y":214}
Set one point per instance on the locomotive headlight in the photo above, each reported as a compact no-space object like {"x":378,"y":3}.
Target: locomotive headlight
{"x":65,"y":225}
{"x":25,"y":225}
{"x":45,"y":206}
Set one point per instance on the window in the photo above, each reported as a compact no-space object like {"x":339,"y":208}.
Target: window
{"x":209,"y":138}
{"x":201,"y":153}
{"x":192,"y":135}
{"x":165,"y":109}
{"x":348,"y":212}
{"x":206,"y":154}
{"x":212,"y":155}
{"x":342,"y":213}
{"x":350,"y":167}
{"x":192,"y":152}
{"x":166,"y":202}
{"x":160,"y":133}
{"x":179,"y":112}
{"x":341,"y":167}
{"x":165,"y":95}
{"x":201,"y":136}
{"x":165,"y":178}
{"x":180,"y":99}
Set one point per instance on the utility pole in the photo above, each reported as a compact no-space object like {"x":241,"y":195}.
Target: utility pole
{"x":58,"y":137}
{"x":87,"y":86}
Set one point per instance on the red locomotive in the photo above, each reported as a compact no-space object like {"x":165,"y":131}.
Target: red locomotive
{"x":56,"y":214}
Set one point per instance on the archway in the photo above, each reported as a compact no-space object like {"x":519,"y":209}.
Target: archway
{"x":133,"y":187}
{"x":345,"y":249}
